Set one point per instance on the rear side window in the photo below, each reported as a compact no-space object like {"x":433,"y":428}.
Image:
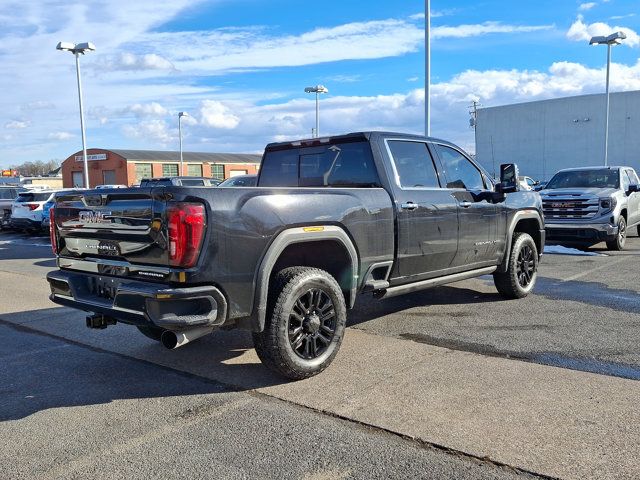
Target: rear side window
{"x":461,"y":173}
{"x":414,"y":164}
{"x":338,"y":165}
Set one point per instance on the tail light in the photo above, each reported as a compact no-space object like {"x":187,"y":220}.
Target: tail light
{"x":52,"y":231}
{"x":32,"y":206}
{"x":186,"y":230}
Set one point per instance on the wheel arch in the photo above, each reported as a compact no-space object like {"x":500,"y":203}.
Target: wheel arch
{"x":335,"y":253}
{"x":523,"y":221}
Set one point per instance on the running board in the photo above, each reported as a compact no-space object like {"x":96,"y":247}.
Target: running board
{"x":433,"y":282}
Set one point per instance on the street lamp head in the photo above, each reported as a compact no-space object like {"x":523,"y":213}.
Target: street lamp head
{"x":65,"y":46}
{"x":317,"y":89}
{"x":613,"y":39}
{"x":182,"y":114}
{"x":77,"y":47}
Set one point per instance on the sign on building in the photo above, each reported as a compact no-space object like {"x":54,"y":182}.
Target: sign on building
{"x":95,"y":156}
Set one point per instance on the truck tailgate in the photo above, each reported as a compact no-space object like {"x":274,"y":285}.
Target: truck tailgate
{"x":123,"y":225}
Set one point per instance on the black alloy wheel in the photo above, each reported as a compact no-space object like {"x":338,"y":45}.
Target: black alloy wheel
{"x":525,"y":266}
{"x":312,"y":324}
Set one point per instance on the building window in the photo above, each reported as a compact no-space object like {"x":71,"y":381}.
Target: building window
{"x":143,"y":170}
{"x":169,"y":170}
{"x":109,"y":177}
{"x":235,"y":173}
{"x":194,"y":170}
{"x":78,"y":179}
{"x":217,"y":171}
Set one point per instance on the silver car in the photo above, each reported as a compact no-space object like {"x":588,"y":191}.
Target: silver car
{"x":589,"y":205}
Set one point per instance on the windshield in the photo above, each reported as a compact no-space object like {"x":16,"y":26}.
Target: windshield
{"x":602,"y":178}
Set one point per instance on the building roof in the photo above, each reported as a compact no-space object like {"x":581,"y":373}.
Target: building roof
{"x":174,"y":156}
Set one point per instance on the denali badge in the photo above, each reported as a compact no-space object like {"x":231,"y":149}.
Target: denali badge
{"x":89,"y":216}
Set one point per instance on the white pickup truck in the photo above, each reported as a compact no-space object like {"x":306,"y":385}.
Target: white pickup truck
{"x":589,"y":205}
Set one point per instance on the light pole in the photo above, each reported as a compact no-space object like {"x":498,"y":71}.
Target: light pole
{"x":613,"y":39}
{"x":318,"y":89}
{"x":180,"y":115}
{"x":77,"y":49}
{"x":427,"y":68}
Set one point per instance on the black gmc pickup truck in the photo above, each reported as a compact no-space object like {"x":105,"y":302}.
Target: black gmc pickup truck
{"x":331,"y":219}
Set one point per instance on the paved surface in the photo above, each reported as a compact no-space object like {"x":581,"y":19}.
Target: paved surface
{"x":552,"y":421}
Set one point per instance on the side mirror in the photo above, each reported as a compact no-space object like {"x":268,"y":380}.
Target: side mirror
{"x":634,"y":188}
{"x":509,"y":178}
{"x":536,"y":183}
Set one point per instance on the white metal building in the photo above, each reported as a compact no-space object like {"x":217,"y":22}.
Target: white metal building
{"x":545,"y":136}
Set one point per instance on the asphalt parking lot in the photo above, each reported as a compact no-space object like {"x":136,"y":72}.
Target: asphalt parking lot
{"x":452,"y":382}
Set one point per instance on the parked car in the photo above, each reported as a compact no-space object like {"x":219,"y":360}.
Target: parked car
{"x":589,"y":205}
{"x":27,"y":209}
{"x":7,"y":195}
{"x":179,"y":182}
{"x":528,"y":183}
{"x":240,"y":181}
{"x":383,"y":213}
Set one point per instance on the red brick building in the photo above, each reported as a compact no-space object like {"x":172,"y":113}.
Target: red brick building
{"x":127,"y":167}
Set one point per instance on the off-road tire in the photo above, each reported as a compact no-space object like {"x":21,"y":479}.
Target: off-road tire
{"x":274,"y":345}
{"x":149,"y":331}
{"x":621,"y":238}
{"x":510,"y":283}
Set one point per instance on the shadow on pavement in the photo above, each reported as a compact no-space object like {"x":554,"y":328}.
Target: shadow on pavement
{"x":367,"y":309}
{"x":39,"y":371}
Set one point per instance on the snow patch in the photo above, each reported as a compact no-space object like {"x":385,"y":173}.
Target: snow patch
{"x":560,"y":250}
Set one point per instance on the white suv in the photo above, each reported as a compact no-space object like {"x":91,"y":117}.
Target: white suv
{"x":26,"y":210}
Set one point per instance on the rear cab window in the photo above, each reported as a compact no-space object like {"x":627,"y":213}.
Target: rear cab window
{"x":340,"y":164}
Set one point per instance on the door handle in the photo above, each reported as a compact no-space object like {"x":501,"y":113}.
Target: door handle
{"x":465,"y":204}
{"x":409,"y":206}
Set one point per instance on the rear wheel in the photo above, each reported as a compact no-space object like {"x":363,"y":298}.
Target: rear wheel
{"x":620,"y":240}
{"x":306,"y":317}
{"x":522,"y":271}
{"x":149,"y":331}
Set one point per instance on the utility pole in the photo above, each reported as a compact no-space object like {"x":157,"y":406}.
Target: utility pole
{"x":427,"y":68}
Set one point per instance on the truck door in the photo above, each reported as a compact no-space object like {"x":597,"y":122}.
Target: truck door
{"x":427,"y":218}
{"x":634,"y":198}
{"x":481,"y":236}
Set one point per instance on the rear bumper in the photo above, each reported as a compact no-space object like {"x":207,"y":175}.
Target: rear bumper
{"x":139,"y":303}
{"x":25,"y":223}
{"x":580,"y":233}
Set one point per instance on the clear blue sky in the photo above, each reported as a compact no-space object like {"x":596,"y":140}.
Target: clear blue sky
{"x":239,"y":68}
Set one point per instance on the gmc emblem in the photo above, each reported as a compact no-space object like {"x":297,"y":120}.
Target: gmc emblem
{"x":562,"y":205}
{"x":89,"y":216}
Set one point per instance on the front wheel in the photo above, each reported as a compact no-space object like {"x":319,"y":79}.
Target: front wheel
{"x":306,"y":318}
{"x":621,"y":238}
{"x":522,"y":271}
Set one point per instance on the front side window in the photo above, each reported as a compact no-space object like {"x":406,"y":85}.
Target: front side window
{"x":414,"y":164}
{"x":626,"y":181}
{"x":461,"y":173}
{"x":633,"y":177}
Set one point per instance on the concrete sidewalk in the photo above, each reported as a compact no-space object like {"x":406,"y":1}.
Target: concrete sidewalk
{"x":542,"y":419}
